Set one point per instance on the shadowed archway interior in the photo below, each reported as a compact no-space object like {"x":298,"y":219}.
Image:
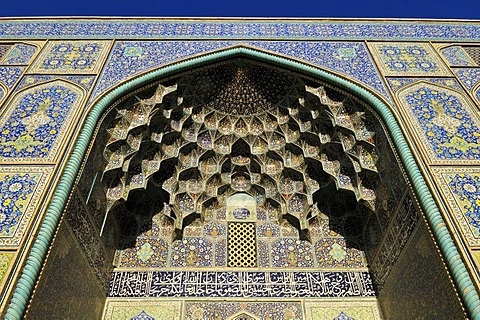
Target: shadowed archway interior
{"x":242,"y":180}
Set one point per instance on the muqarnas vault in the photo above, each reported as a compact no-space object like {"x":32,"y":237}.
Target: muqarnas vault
{"x":263,"y":170}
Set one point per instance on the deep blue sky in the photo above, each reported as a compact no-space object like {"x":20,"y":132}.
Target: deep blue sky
{"x":450,"y":9}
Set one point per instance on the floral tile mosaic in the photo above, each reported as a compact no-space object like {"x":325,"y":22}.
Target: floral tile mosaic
{"x":278,"y":310}
{"x":142,"y":310}
{"x":85,"y":82}
{"x":60,"y":57}
{"x":342,"y":310}
{"x":461,"y":189}
{"x":445,"y":123}
{"x":10,"y":75}
{"x":36,"y":121}
{"x":6,"y":259}
{"x":456,"y":56}
{"x":470,"y":77}
{"x":147,"y":253}
{"x":334,"y":253}
{"x":349,"y":59}
{"x":408,"y":59}
{"x":130,"y":58}
{"x":19,"y":53}
{"x":397,"y":83}
{"x":321,"y":29}
{"x":20,"y":191}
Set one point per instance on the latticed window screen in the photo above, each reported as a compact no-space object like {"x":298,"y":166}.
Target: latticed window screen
{"x":242,"y":247}
{"x":474,"y":53}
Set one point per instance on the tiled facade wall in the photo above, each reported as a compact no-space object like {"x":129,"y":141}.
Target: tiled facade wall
{"x":47,"y":85}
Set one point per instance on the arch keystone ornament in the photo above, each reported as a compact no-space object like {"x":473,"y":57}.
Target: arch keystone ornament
{"x":256,"y":153}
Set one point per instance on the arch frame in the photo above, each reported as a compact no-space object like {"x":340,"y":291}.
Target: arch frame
{"x":33,"y":264}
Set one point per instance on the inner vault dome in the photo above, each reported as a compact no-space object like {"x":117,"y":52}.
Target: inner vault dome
{"x":243,"y":127}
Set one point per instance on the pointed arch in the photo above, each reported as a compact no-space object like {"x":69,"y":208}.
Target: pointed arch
{"x":34,"y":261}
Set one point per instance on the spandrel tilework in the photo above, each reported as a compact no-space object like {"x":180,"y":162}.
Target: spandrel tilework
{"x":408,"y":59}
{"x":10,"y":75}
{"x":445,"y":121}
{"x":396,"y":84}
{"x":21,"y":189}
{"x":36,"y":121}
{"x":67,"y":57}
{"x":457,"y":56}
{"x":19,"y":53}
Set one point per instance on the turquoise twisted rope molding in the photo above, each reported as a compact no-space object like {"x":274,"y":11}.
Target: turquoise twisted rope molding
{"x":24,"y":287}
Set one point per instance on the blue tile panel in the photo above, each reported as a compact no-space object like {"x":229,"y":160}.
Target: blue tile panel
{"x":314,"y":30}
{"x":20,"y":53}
{"x":131,"y":58}
{"x":10,"y":75}
{"x":398,"y":83}
{"x":136,"y":284}
{"x":468,"y":76}
{"x":456,"y":56}
{"x":446,"y":121}
{"x":85,"y":82}
{"x":36,"y":121}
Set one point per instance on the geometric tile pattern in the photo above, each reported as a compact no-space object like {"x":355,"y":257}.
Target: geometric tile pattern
{"x":36,"y":121}
{"x":321,"y":29}
{"x":461,"y":189}
{"x":413,"y":59}
{"x":20,"y":53}
{"x":60,"y":57}
{"x":456,"y":56}
{"x":444,"y":121}
{"x":342,"y":310}
{"x":470,"y":77}
{"x":155,"y":310}
{"x":20,"y":192}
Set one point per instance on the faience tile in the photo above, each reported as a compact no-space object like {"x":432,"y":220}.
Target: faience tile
{"x":142,"y":310}
{"x":349,"y":59}
{"x":456,"y":56}
{"x":219,"y":310}
{"x":460,"y":187}
{"x":85,"y":82}
{"x":6,"y":259}
{"x":19,"y":53}
{"x":10,"y":75}
{"x":191,"y":252}
{"x":396,"y":84}
{"x":147,"y":253}
{"x":36,"y":121}
{"x":322,"y":29}
{"x":67,"y":57}
{"x":470,"y":77}
{"x":342,"y":310}
{"x":131,"y":58}
{"x":291,"y":252}
{"x":240,"y":284}
{"x":408,"y":59}
{"x":444,"y":121}
{"x":21,"y":190}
